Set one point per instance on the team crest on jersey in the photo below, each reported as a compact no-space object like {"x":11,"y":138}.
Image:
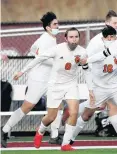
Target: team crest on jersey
{"x":68,"y":66}
{"x":77,"y":59}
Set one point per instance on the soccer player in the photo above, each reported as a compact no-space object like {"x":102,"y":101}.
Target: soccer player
{"x":104,"y":80}
{"x":62,"y":84}
{"x":38,"y":78}
{"x":111,"y":20}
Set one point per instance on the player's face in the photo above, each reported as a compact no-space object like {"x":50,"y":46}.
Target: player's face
{"x":53,"y":29}
{"x":54,"y":24}
{"x":72,"y":39}
{"x":112,"y":22}
{"x":111,"y":38}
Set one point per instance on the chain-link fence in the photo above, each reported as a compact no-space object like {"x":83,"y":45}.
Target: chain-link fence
{"x":22,"y":39}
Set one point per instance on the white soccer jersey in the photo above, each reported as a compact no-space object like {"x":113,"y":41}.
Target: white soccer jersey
{"x":42,"y":71}
{"x":65,"y":63}
{"x":103,"y":75}
{"x":113,"y":48}
{"x":95,"y":42}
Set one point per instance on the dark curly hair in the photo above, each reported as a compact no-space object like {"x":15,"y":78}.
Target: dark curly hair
{"x":47,"y":19}
{"x":108,"y":30}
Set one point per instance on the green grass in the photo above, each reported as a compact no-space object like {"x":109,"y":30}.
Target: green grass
{"x":91,"y":151}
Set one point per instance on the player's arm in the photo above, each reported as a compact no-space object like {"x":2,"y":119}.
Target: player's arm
{"x":36,"y":49}
{"x":86,"y":69}
{"x":88,"y":75}
{"x":88,"y":78}
{"x":91,"y":48}
{"x":37,"y":46}
{"x":97,"y":57}
{"x":42,"y":57}
{"x":112,"y":50}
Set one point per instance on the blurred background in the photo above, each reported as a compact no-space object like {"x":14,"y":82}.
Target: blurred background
{"x":27,"y":14}
{"x":14,"y":11}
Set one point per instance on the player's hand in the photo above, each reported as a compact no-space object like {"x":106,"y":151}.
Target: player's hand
{"x":102,"y":107}
{"x":92,"y":98}
{"x":4,"y":58}
{"x":83,"y":61}
{"x":17,"y":75}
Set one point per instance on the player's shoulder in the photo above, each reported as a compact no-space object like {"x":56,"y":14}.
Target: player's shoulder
{"x":113,"y":46}
{"x":57,"y":47}
{"x":37,"y":42}
{"x":81,"y":49}
{"x":95,"y":40}
{"x":45,"y":36}
{"x":95,"y":44}
{"x":97,"y":37}
{"x":61,"y":45}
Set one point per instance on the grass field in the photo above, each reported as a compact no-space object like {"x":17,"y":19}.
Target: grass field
{"x":85,"y":144}
{"x":87,"y":151}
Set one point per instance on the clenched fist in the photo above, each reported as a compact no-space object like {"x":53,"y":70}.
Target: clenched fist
{"x":83,"y":61}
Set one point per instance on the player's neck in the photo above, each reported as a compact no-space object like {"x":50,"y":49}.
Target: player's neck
{"x":51,"y":35}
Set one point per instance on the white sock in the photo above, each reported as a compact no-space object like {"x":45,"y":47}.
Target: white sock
{"x":113,"y":120}
{"x":13,"y":120}
{"x":56,"y":124}
{"x":79,"y":126}
{"x":69,"y":129}
{"x":42,"y":129}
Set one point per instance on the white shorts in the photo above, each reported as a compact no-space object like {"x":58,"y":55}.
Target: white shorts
{"x":35,"y":91}
{"x":102,"y":95}
{"x":60,"y":92}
